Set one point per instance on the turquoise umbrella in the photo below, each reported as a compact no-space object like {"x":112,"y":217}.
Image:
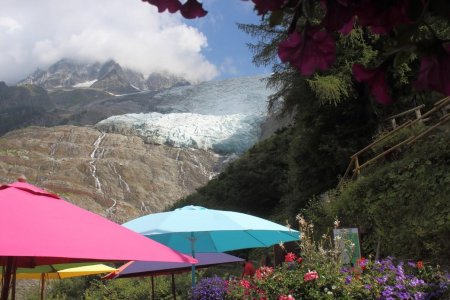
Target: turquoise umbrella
{"x":194,"y":229}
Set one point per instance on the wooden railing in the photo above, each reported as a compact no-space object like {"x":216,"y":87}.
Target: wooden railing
{"x":416,"y":110}
{"x":355,"y":165}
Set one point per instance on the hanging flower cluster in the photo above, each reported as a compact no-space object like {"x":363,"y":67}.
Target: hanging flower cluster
{"x":310,"y":45}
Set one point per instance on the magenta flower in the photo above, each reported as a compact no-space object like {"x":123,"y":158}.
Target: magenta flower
{"x":310,"y":276}
{"x":339,"y":15}
{"x":192,"y":9}
{"x":315,"y":50}
{"x":286,"y":297}
{"x":375,"y":80}
{"x":263,"y":6}
{"x":290,"y":257}
{"x":434,"y":73}
{"x":382,"y":16}
{"x":171,"y":5}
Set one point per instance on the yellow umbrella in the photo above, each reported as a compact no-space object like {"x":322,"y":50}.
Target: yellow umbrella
{"x":61,"y":271}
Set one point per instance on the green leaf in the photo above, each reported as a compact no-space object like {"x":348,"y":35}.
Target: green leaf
{"x":401,"y":58}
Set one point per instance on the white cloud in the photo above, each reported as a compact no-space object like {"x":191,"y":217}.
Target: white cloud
{"x":38,"y":33}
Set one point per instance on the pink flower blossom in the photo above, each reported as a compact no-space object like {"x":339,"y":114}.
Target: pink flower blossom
{"x":286,"y":297}
{"x":339,"y":15}
{"x":376,"y":81}
{"x":171,"y":5}
{"x":290,"y":257}
{"x":434,"y":72}
{"x":263,"y":272}
{"x":310,"y":276}
{"x":382,"y":15}
{"x":192,"y":9}
{"x":245,"y":283}
{"x":315,"y":50}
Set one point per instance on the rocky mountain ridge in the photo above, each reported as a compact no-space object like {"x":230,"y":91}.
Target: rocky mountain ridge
{"x":108,"y":76}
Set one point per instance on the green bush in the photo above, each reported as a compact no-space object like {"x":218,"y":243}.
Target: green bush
{"x":402,"y":205}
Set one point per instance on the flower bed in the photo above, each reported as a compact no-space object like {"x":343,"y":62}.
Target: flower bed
{"x":319,"y":275}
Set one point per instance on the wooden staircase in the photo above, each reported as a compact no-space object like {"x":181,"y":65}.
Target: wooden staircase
{"x":429,"y":119}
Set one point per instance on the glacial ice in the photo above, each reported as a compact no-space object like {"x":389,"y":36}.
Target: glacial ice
{"x":223,"y":116}
{"x":223,"y":134}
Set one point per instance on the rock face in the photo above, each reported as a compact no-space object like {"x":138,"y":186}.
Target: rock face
{"x":109,"y":76}
{"x":114,"y":175}
{"x":21,"y":106}
{"x":64,"y":73}
{"x":159,"y":81}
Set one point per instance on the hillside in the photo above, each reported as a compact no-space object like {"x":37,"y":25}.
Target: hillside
{"x":21,"y":106}
{"x":114,"y":175}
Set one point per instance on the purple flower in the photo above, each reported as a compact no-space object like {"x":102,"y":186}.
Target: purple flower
{"x":339,"y":16}
{"x":348,"y":279}
{"x":192,"y":9}
{"x":376,"y":81}
{"x":415,"y":282}
{"x":419,"y":296}
{"x":382,"y":15}
{"x":388,"y":291}
{"x":403,"y":295}
{"x":434,"y":72}
{"x":171,"y":5}
{"x":367,"y":286}
{"x":213,"y":288}
{"x":382,"y":280}
{"x":309,"y":52}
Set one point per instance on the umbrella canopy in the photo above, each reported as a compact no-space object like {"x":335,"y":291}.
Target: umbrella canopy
{"x":61,"y":271}
{"x":39,"y":228}
{"x":147,"y":268}
{"x":195,"y":228}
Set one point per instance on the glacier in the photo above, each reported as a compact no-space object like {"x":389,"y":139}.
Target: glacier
{"x":224,"y":116}
{"x":222,"y":134}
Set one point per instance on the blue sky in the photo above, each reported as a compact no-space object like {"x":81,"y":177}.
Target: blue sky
{"x":226,"y":43}
{"x":36,"y":34}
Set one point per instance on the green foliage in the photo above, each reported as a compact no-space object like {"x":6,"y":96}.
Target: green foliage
{"x":72,"y":288}
{"x":329,"y":88}
{"x":403,"y":204}
{"x":325,"y":137}
{"x":258,"y":177}
{"x":133,"y":289}
{"x":398,"y":137}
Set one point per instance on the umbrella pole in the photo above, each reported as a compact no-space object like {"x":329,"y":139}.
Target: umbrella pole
{"x":153,"y":288}
{"x":42,"y":285}
{"x":7,"y":279}
{"x":13,"y":285}
{"x":173,"y":288}
{"x":193,"y":255}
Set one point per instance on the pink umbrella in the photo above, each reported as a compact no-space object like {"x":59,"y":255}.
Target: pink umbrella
{"x":39,"y":228}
